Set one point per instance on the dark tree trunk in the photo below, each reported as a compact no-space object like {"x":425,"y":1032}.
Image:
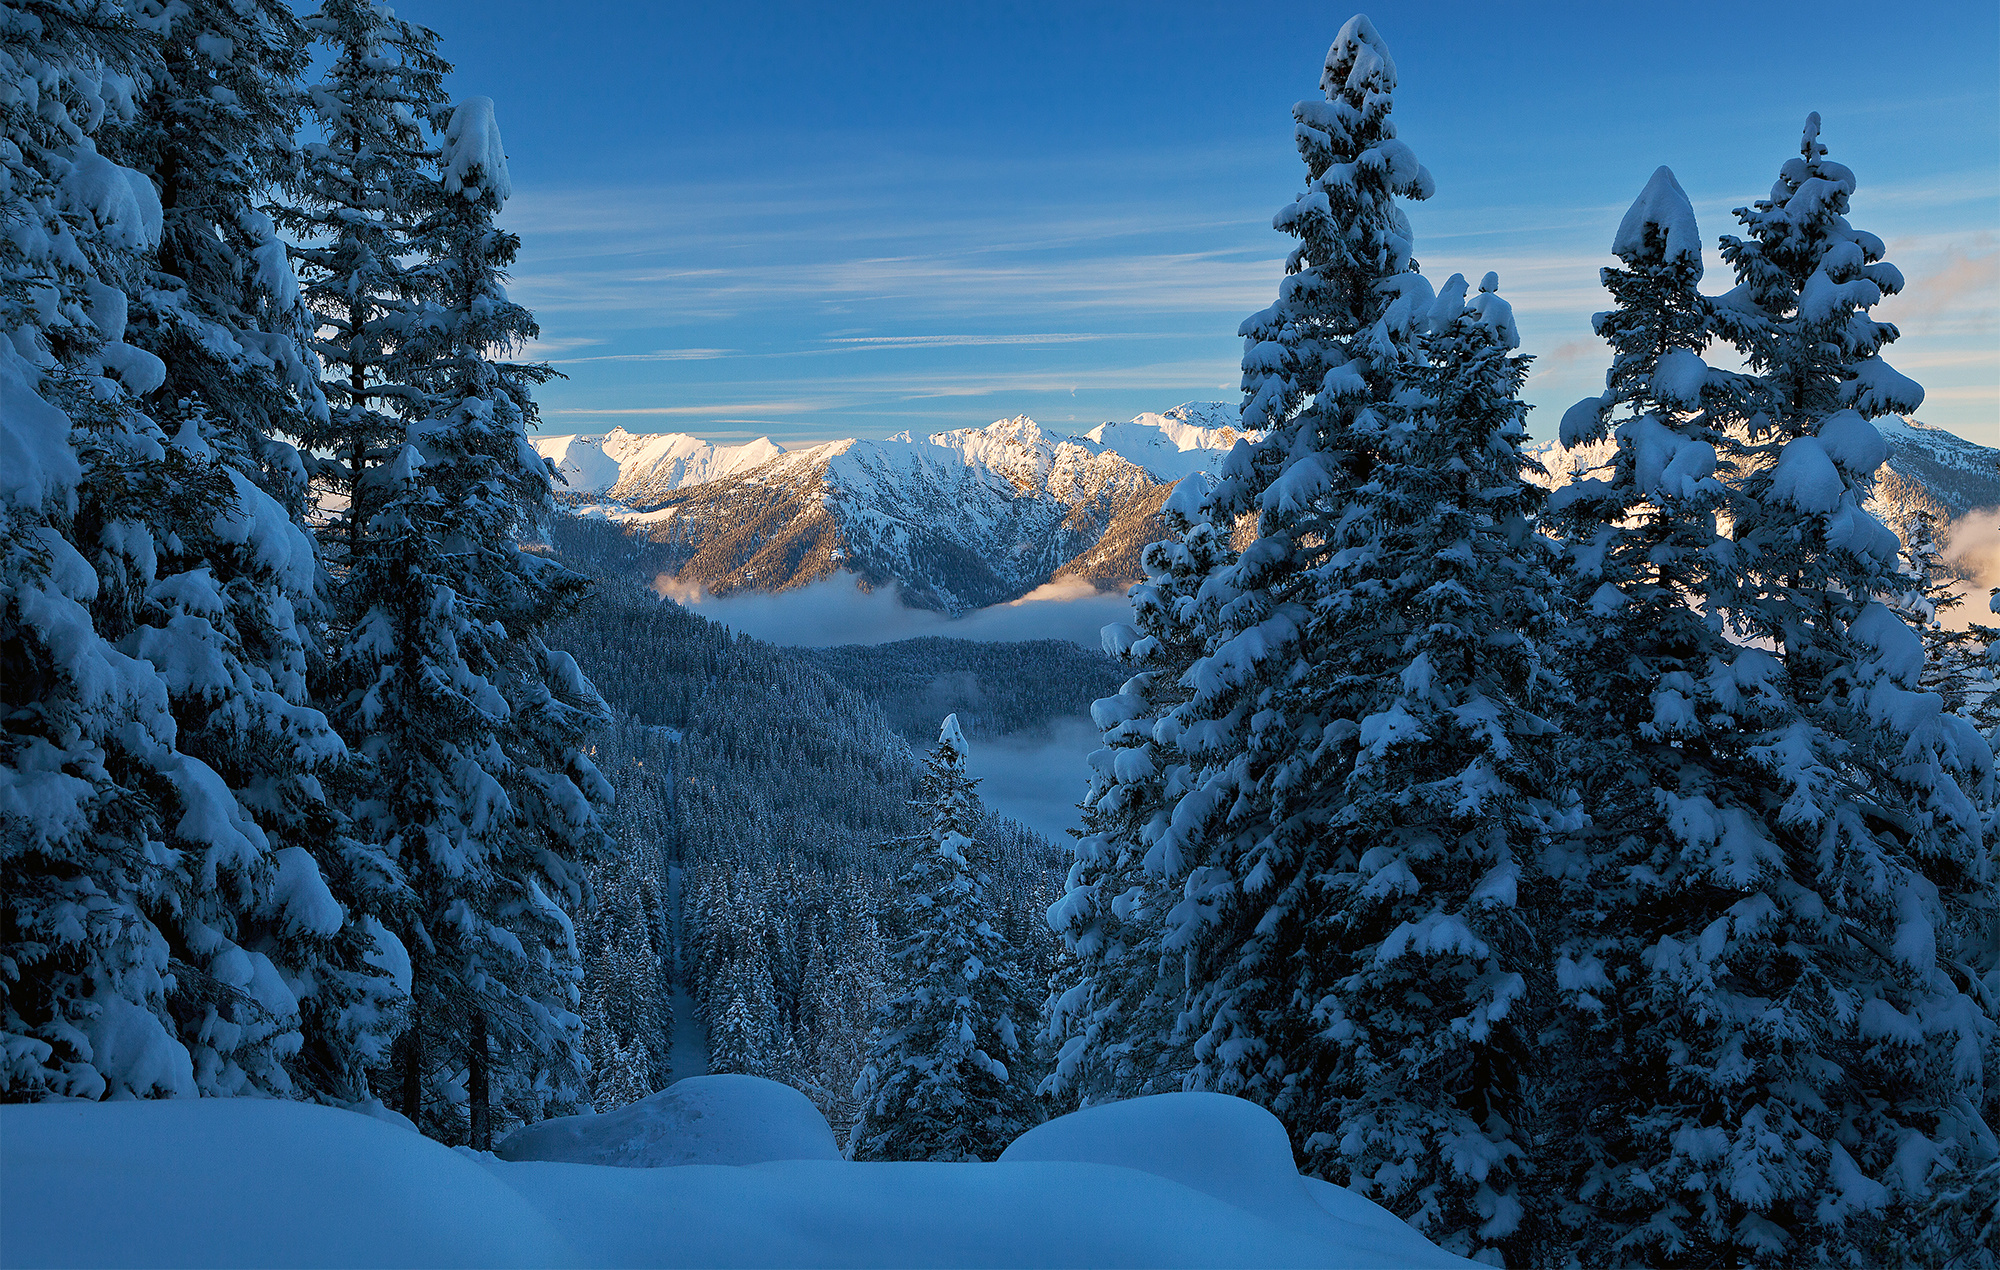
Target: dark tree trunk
{"x":477,"y":1085}
{"x":413,"y":1070}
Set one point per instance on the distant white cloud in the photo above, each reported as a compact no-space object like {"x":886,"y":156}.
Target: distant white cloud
{"x":1037,"y":780}
{"x":1974,"y":548}
{"x":761,"y":407}
{"x":837,"y":611}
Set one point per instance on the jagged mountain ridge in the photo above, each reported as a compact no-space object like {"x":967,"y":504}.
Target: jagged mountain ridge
{"x":958,"y":520}
{"x":604,"y":461}
{"x":978,"y":516}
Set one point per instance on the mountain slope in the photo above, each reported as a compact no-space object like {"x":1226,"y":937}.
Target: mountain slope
{"x":958,"y":520}
{"x":606,"y":463}
{"x":977,"y":516}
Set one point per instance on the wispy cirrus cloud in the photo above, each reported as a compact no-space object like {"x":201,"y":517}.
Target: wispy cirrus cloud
{"x":657,"y":355}
{"x":977,"y":291}
{"x":859,"y":343}
{"x":797,"y":406}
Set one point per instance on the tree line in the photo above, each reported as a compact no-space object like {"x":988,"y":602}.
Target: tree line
{"x":294,"y":791}
{"x":1603,"y":877}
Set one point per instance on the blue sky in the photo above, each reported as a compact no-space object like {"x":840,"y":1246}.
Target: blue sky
{"x":812,"y":222}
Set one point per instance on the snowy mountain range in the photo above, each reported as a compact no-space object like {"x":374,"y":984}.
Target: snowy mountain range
{"x":959,"y":519}
{"x":979,"y":516}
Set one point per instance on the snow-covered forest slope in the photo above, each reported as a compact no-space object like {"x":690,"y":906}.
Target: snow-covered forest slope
{"x":995,"y":689}
{"x":781,"y":794}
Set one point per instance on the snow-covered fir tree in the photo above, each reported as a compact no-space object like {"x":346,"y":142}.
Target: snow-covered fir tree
{"x":471,"y":787}
{"x":1666,"y":710}
{"x":941,"y":1082}
{"x":1109,"y":1026}
{"x":1789,"y":1062}
{"x":357,"y":193}
{"x":1319,"y":368}
{"x":221,"y":307}
{"x":360,"y":194}
{"x":473,"y":725}
{"x":1868,"y":784}
{"x":159,"y":939}
{"x":1422,"y":806}
{"x":214,"y":130}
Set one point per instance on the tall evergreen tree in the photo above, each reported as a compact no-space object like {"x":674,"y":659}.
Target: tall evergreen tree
{"x":939,"y":1084}
{"x":1867,"y":786}
{"x":1786,"y":1063}
{"x":1111,"y":1018}
{"x":1427,"y":801}
{"x":215,"y":130}
{"x":360,"y":194}
{"x":158,"y":938}
{"x":220,"y":306}
{"x":471,"y":786}
{"x":1665,"y":718}
{"x":1320,"y":367}
{"x":480,"y":487}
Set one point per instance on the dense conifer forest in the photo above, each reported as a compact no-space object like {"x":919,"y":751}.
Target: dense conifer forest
{"x":1598,"y":875}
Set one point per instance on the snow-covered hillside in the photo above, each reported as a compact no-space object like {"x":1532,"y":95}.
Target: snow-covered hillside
{"x":601,"y":463}
{"x":1175,"y":1180}
{"x":977,"y":516}
{"x":958,"y":519}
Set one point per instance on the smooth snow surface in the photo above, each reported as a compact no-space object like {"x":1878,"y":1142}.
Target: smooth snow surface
{"x":235,"y":1182}
{"x":1212,"y":1143}
{"x":700,"y":1120}
{"x":245,"y":1182}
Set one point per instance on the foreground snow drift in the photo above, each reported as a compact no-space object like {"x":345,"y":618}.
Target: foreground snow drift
{"x":701,"y":1120}
{"x":1178,"y":1180}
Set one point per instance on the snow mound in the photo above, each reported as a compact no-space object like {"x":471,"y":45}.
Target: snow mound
{"x":1231,"y":1150}
{"x":249,"y":1182}
{"x":252,"y":1182}
{"x":700,"y":1120}
{"x":1212,"y":1143}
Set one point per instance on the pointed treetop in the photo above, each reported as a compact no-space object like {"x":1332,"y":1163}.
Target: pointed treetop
{"x":1358,"y":63}
{"x":950,"y":739}
{"x":474,"y":162}
{"x":1449,"y":304}
{"x":1190,"y":493}
{"x":1664,"y":207}
{"x":1494,"y":313}
{"x":1810,"y":146}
